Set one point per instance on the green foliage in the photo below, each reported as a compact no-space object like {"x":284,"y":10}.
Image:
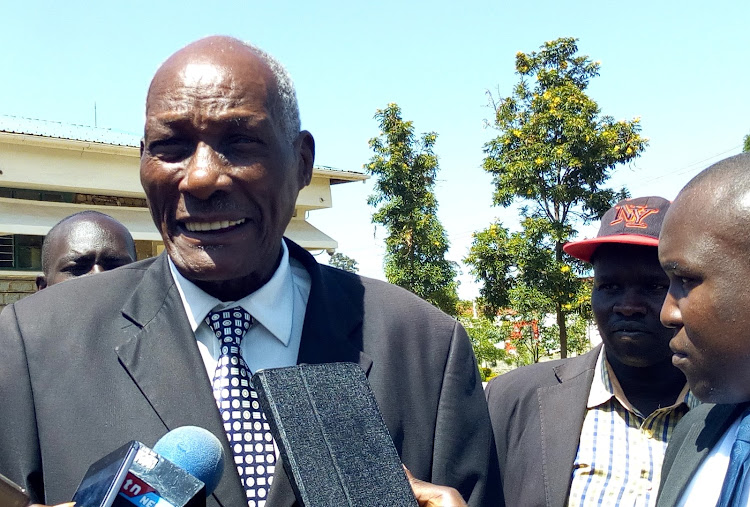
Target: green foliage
{"x":554,"y":154}
{"x":579,"y":340}
{"x":491,"y":262}
{"x":341,"y":261}
{"x":465,"y":308}
{"x":746,"y":144}
{"x":485,"y":336}
{"x":520,"y":270}
{"x":554,"y":148}
{"x":406,"y":168}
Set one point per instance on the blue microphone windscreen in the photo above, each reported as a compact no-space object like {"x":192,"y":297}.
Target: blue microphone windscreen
{"x":195,"y":450}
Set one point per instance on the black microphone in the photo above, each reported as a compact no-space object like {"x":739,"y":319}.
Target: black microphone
{"x":181,"y":470}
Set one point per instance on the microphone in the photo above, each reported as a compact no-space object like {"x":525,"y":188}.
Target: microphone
{"x":195,"y":450}
{"x":183,"y":471}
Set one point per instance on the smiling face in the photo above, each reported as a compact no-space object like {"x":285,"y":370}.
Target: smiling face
{"x":629,"y":289}
{"x":220,"y":176}
{"x":85,"y":246}
{"x":708,"y":303}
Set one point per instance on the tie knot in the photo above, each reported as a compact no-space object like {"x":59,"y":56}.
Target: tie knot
{"x":230,"y":325}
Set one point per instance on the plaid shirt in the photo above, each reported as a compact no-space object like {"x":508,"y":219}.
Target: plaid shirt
{"x":620,"y":452}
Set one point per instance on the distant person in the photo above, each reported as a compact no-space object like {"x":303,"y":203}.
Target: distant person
{"x":593,"y":429}
{"x":705,"y":250}
{"x":82,"y":244}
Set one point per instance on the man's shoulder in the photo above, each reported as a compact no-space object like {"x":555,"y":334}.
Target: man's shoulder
{"x":88,"y":291}
{"x":702,"y":412}
{"x":387,"y":296}
{"x":523,"y":380}
{"x":548,"y":369}
{"x":526,"y":380}
{"x":708,"y":416}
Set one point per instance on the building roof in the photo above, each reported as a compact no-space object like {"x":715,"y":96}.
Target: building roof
{"x":59,"y":130}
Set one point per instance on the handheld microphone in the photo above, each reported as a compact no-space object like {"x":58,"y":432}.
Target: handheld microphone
{"x":192,"y":460}
{"x":195,"y":450}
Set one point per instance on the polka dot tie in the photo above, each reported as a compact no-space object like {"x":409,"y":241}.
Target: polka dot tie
{"x":244,"y":422}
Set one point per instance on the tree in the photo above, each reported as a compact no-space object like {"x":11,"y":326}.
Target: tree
{"x":341,"y":261}
{"x":554,"y":154}
{"x":746,"y":144}
{"x":519,"y":272}
{"x":416,"y":245}
{"x":491,"y":262}
{"x":485,"y":337}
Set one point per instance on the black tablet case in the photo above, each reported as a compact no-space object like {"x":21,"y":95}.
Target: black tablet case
{"x":332,"y":438}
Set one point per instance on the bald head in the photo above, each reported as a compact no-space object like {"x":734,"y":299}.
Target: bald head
{"x":704,"y":248}
{"x":84,"y":243}
{"x":199,"y":62}
{"x":722,"y":193}
{"x":733,"y":171}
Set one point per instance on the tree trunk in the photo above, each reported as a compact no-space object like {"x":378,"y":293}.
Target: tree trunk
{"x":563,"y":331}
{"x":559,"y":311}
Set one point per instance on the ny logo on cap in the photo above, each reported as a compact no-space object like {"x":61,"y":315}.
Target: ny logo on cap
{"x":633,"y":215}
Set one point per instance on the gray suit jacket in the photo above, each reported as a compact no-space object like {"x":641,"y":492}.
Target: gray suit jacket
{"x":693,"y":438}
{"x":537,"y":413}
{"x":92,"y":363}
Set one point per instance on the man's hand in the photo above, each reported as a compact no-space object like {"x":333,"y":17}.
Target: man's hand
{"x":432,"y":495}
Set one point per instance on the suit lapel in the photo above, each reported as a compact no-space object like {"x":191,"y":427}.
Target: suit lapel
{"x":562,"y":410}
{"x":333,"y":320}
{"x":331,"y":333}
{"x":163,"y":359}
{"x":704,"y":433}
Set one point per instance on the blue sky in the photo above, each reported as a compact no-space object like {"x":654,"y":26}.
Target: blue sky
{"x":680,"y":66}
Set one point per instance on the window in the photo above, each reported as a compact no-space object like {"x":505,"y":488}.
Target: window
{"x":21,"y":251}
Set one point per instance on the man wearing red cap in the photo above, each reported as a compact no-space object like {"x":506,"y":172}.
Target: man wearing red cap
{"x":592,"y":429}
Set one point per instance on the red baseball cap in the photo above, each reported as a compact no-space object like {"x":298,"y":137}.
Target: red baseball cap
{"x":634,"y":221}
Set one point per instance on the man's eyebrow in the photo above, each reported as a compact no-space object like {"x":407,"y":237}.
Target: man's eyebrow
{"x":74,"y":256}
{"x":115,"y":256}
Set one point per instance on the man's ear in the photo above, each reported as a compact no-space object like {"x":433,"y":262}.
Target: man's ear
{"x":41,"y":282}
{"x":306,"y":150}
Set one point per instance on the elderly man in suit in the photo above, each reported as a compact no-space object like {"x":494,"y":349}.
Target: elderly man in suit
{"x":92,"y":363}
{"x":592,"y":429}
{"x":704,"y":250}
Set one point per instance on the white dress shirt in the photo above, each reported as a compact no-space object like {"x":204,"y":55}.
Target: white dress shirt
{"x":705,"y":486}
{"x":278,"y":309}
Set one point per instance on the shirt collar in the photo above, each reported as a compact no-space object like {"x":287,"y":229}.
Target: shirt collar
{"x":271,"y":305}
{"x":606,"y":386}
{"x":601,"y":385}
